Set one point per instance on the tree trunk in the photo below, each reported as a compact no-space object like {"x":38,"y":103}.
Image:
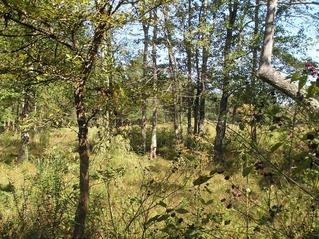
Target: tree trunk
{"x":154,"y":130}
{"x":143,"y":125}
{"x":273,"y":77}
{"x":189,"y":96}
{"x":104,"y":123}
{"x":79,"y":100}
{"x":25,"y":137}
{"x":154,"y":116}
{"x":197,"y":96}
{"x":144,"y":100}
{"x":222,"y":116}
{"x":188,"y":48}
{"x":180,"y":115}
{"x":82,"y":209}
{"x":253,"y":128}
{"x":203,"y":78}
{"x":173,"y":75}
{"x":176,"y":125}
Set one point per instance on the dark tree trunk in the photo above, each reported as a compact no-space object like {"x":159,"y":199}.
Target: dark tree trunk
{"x":180,"y":115}
{"x":221,"y":126}
{"x":79,"y":101}
{"x":188,"y":48}
{"x":82,"y":209}
{"x":203,"y":78}
{"x":190,"y":90}
{"x":222,"y":116}
{"x":197,"y":96}
{"x":253,"y":130}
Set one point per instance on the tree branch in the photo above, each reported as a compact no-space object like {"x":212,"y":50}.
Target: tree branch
{"x":269,"y":74}
{"x":36,"y":29}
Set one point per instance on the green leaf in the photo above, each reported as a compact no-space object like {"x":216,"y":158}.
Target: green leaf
{"x":295,"y":77}
{"x":201,"y":179}
{"x":206,"y":203}
{"x":181,"y":211}
{"x":312,"y":90}
{"x":275,"y":147}
{"x":157,"y":218}
{"x":302,"y":82}
{"x":163,"y":204}
{"x":152,"y":219}
{"x":247,"y":170}
{"x":162,"y":217}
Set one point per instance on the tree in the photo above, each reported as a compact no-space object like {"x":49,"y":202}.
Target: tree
{"x":228,"y":62}
{"x":173,"y":71}
{"x":269,"y":74}
{"x":71,"y":36}
{"x":154,"y":113}
{"x":146,"y":26}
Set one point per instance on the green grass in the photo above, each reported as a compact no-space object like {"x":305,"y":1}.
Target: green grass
{"x":129,"y":192}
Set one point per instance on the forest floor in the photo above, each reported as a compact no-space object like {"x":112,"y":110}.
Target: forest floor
{"x":180,"y":192}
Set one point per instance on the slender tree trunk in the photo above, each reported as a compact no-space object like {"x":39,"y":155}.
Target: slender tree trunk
{"x":144,"y":100}
{"x":203,"y":79}
{"x":154,"y":130}
{"x":202,"y":110}
{"x":82,"y":209}
{"x":173,"y":75}
{"x":181,"y":114}
{"x":222,"y":116}
{"x":25,"y":136}
{"x":154,"y":116}
{"x":79,"y":100}
{"x":104,"y":123}
{"x":176,"y":125}
{"x":221,"y":125}
{"x":254,"y":74}
{"x":190,"y":92}
{"x":197,"y":96}
{"x":143,"y":125}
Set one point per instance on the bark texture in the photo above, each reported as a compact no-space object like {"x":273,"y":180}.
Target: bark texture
{"x":269,"y":74}
{"x":79,"y":100}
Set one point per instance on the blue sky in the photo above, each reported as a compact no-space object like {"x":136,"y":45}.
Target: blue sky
{"x":129,"y":36}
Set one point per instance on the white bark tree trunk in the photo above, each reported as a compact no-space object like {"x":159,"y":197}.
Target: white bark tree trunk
{"x":154,"y":116}
{"x":269,"y":74}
